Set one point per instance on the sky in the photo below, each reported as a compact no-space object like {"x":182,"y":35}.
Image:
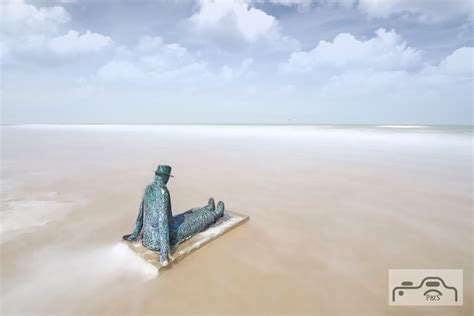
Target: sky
{"x":237,"y":61}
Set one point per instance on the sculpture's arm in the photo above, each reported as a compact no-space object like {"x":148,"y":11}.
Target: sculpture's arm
{"x":163,"y":226}
{"x":138,"y":225}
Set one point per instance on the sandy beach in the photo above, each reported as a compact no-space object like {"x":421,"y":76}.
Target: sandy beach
{"x":331,"y":209}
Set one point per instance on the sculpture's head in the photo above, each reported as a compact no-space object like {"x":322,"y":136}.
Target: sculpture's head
{"x":163,"y":173}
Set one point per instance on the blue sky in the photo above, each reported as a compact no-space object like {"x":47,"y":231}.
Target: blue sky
{"x":237,"y":61}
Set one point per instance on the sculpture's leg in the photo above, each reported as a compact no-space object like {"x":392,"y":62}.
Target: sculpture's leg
{"x":196,"y":220}
{"x":210,"y":205}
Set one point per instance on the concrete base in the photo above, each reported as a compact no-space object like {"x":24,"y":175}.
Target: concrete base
{"x":226,"y":223}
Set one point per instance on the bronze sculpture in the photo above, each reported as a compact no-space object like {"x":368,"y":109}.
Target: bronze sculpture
{"x":161,"y":230}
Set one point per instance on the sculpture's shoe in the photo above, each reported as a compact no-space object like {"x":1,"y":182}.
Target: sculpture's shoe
{"x":211,"y":205}
{"x":129,"y":237}
{"x":219,"y":210}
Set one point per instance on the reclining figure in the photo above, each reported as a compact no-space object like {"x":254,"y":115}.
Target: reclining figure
{"x":161,"y":231}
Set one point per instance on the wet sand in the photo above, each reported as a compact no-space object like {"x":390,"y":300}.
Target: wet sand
{"x":331,"y":210}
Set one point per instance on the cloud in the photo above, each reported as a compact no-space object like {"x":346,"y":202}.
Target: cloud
{"x":425,"y":10}
{"x":384,"y":76}
{"x":432,"y":84}
{"x":287,"y":3}
{"x":237,"y":19}
{"x":460,"y":62}
{"x":119,"y":70}
{"x":74,"y":42}
{"x":30,"y":32}
{"x":305,"y":4}
{"x":235,"y":15}
{"x":20,"y":17}
{"x":152,"y":60}
{"x":387,"y":50}
{"x":228,"y":73}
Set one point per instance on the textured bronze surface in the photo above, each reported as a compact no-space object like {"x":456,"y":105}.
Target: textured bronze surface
{"x":156,"y":226}
{"x":229,"y":221}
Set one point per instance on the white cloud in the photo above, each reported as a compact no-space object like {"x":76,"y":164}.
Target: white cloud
{"x":152,"y":60}
{"x":382,"y":74}
{"x":425,"y":10}
{"x":287,"y":3}
{"x":119,"y":70}
{"x":387,"y":50}
{"x":20,"y":17}
{"x":460,"y":62}
{"x":437,"y":85}
{"x":227,"y":73}
{"x":304,"y":4}
{"x":74,"y":42}
{"x":29,"y":32}
{"x":236,"y":15}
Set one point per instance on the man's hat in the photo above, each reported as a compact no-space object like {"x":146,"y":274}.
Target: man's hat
{"x":164,"y":170}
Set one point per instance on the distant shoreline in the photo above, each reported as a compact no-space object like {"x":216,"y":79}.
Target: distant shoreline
{"x":391,"y":125}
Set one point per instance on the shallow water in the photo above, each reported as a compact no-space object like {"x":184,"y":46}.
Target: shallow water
{"x":331,"y":210}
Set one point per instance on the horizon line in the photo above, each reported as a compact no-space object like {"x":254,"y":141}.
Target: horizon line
{"x":246,"y":124}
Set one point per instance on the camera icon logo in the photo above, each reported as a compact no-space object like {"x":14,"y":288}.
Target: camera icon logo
{"x":429,"y":287}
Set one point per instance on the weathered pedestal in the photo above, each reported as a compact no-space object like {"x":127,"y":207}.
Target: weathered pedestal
{"x":226,"y":223}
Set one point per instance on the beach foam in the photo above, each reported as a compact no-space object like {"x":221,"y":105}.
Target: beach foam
{"x":64,"y":275}
{"x":20,"y":216}
{"x":125,"y":260}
